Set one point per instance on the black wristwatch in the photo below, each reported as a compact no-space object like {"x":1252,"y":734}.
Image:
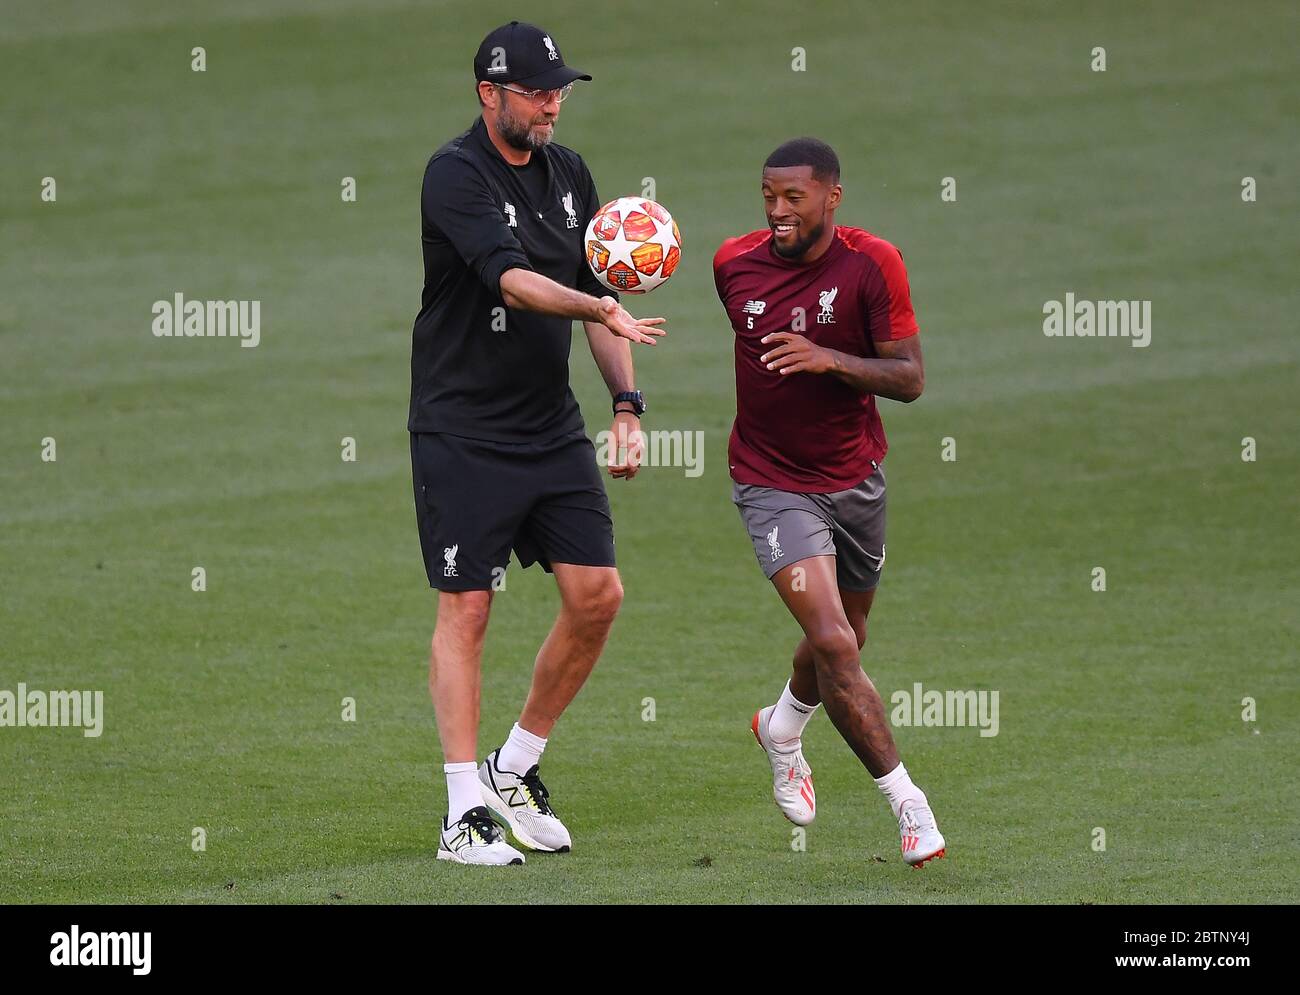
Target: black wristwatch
{"x":632,"y":397}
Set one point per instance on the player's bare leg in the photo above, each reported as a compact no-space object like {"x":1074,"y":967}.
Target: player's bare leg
{"x":803,"y":681}
{"x":454,"y":679}
{"x":589,"y":599}
{"x":779,"y":728}
{"x":469,"y":836}
{"x":810,"y":592}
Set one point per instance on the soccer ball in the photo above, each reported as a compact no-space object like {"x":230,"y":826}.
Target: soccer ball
{"x":633,"y":245}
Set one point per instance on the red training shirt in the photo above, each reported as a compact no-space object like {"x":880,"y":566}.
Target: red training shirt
{"x":809,"y":432}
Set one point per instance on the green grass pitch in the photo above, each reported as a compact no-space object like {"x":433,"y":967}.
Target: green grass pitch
{"x":1120,"y":710}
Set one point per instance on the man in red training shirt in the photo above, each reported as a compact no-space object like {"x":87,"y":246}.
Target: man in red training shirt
{"x":824,"y":323}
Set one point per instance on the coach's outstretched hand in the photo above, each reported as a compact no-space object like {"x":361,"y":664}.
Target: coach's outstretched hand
{"x":615,"y":317}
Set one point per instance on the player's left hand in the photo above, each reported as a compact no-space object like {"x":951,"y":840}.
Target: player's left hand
{"x":629,"y":446}
{"x":796,"y":354}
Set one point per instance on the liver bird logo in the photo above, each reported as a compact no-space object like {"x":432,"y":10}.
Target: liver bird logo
{"x":774,"y":543}
{"x":827,"y":301}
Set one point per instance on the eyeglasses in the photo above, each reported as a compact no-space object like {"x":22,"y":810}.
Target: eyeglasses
{"x":540,"y":97}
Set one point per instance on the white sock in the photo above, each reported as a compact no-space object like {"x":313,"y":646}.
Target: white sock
{"x":521,"y":751}
{"x":463,"y":792}
{"x":898,"y":788}
{"x":788,"y":719}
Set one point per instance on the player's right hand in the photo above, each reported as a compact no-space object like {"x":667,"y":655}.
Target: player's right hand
{"x":616,"y":318}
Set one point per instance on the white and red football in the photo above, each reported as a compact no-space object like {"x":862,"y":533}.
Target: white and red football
{"x":633,"y":245}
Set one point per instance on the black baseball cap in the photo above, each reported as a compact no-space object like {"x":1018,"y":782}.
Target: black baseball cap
{"x":524,"y":54}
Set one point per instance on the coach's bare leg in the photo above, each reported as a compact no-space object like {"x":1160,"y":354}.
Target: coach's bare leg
{"x":851,"y":700}
{"x":454,"y":679}
{"x":803,"y":682}
{"x":589,"y":599}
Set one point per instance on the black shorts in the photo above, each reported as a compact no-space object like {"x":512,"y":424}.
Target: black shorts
{"x":476,"y":500}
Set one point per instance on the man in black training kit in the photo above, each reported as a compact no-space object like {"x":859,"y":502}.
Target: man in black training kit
{"x":499,"y":453}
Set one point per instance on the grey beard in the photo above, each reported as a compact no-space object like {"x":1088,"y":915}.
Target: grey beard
{"x":519,"y":136}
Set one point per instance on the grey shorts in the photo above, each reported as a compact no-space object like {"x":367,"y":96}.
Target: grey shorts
{"x":786,"y":527}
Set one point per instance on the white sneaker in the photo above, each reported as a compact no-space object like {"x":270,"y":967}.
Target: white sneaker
{"x":476,"y":839}
{"x":522,"y":800}
{"x":792,"y":783}
{"x":921,"y":838}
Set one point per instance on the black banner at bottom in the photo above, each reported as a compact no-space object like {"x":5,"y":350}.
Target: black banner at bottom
{"x":140,"y":944}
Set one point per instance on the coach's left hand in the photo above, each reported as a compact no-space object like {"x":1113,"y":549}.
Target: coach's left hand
{"x":629,"y":444}
{"x":795,"y":354}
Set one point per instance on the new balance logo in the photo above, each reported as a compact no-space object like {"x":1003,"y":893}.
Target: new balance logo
{"x":754,"y":307}
{"x":518,"y":797}
{"x":911,"y":843}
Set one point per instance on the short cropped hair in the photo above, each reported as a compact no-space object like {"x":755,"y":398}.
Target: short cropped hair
{"x":807,"y":152}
